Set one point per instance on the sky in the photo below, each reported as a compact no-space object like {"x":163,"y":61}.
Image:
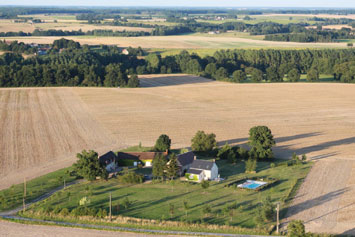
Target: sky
{"x":190,"y":3}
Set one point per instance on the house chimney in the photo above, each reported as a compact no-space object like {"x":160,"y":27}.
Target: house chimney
{"x":195,"y":157}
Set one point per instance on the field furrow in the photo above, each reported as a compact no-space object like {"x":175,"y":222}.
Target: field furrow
{"x":42,"y":130}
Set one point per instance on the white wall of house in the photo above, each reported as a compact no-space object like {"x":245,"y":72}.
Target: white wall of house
{"x":211,"y":174}
{"x":148,"y":164}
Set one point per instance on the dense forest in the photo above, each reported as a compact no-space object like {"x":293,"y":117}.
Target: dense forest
{"x":70,"y":64}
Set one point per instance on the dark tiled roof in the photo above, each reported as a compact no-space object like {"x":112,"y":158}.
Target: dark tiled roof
{"x":138,"y":155}
{"x":202,"y":164}
{"x":186,"y":158}
{"x":107,"y":157}
{"x":193,"y":171}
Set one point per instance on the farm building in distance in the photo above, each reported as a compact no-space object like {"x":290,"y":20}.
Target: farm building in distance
{"x":202,"y":170}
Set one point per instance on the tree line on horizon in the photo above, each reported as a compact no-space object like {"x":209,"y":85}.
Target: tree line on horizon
{"x":68,"y":63}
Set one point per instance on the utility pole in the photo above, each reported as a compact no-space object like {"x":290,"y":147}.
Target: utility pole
{"x":110,"y":206}
{"x":278,"y":218}
{"x":24,"y":194}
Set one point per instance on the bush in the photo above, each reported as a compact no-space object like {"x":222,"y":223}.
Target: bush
{"x":250,"y":165}
{"x":56,"y":210}
{"x":130,"y":177}
{"x":64,"y":212}
{"x":227,"y":153}
{"x":296,"y":229}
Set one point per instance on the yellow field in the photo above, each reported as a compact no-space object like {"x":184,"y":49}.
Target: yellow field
{"x":182,"y":42}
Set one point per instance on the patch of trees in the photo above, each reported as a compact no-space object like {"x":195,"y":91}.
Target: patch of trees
{"x":331,"y":21}
{"x":78,"y":65}
{"x":74,"y":66}
{"x":313,"y":35}
{"x":17,"y":47}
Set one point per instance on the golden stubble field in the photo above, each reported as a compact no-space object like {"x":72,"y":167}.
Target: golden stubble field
{"x":43,"y":128}
{"x":41,"y":131}
{"x":316,"y":119}
{"x":181,"y":42}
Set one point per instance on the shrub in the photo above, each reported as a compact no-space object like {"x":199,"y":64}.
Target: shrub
{"x":130,"y":177}
{"x":296,"y":229}
{"x":56,"y":210}
{"x":64,"y":212}
{"x":227,"y":153}
{"x":250,"y":165}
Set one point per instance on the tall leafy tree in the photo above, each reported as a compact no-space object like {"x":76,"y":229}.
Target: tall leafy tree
{"x":133,"y":81}
{"x":88,"y":166}
{"x":163,"y":143}
{"x":312,"y":75}
{"x":203,"y":142}
{"x":239,"y":76}
{"x":257,"y":75}
{"x":159,"y":165}
{"x":261,"y":142}
{"x":293,"y":75}
{"x":172,"y":169}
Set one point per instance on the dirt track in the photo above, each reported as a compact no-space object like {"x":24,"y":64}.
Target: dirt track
{"x":21,"y":230}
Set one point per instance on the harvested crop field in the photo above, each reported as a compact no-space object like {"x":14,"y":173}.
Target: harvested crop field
{"x":48,"y":126}
{"x":181,"y":42}
{"x":42,"y":130}
{"x":10,"y":26}
{"x":311,"y":118}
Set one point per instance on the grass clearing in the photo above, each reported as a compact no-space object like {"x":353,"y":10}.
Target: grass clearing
{"x":12,"y":197}
{"x":152,"y":200}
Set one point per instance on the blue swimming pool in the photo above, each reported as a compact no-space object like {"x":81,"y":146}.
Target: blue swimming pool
{"x":252,"y":184}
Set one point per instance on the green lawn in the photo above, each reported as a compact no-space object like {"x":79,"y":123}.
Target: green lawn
{"x":12,"y":197}
{"x":152,"y":200}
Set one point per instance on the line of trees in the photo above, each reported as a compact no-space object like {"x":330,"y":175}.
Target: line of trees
{"x":312,"y":35}
{"x":70,"y":64}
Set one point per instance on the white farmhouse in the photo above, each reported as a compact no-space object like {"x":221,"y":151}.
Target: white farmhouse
{"x":202,"y":170}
